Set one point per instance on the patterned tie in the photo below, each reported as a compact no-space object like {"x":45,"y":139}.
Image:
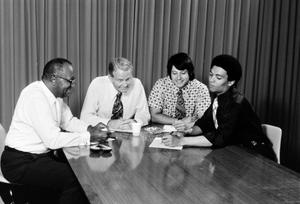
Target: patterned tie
{"x":214,"y":112}
{"x":180,"y":111}
{"x":117,"y":111}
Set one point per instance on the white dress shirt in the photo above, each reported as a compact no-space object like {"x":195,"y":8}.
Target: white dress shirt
{"x":214,"y":112}
{"x":100,"y":97}
{"x":38,"y":119}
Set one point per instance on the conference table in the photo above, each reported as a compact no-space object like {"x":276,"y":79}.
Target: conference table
{"x":135,"y":173}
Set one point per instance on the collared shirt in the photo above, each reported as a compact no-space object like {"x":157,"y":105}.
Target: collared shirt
{"x":100,"y":97}
{"x":163,"y":96}
{"x":38,"y":119}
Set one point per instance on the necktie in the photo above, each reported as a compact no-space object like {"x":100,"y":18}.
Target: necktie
{"x":117,"y":111}
{"x":214,"y":112}
{"x":180,"y":111}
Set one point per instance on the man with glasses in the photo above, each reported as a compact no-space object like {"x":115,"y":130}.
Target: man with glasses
{"x":42,"y":123}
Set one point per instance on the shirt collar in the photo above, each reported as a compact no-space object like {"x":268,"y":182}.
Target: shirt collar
{"x":223,"y":98}
{"x":176,"y":88}
{"x":48,"y":93}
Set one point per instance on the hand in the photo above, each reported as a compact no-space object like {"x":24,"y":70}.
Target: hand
{"x":124,"y":124}
{"x":184,"y":124}
{"x":173,"y":139}
{"x":189,"y":122}
{"x":179,"y":125}
{"x":127,"y":124}
{"x":97,"y":133}
{"x":100,"y":126}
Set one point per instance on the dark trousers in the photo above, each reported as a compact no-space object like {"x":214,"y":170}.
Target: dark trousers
{"x":18,"y":191}
{"x":5,"y":193}
{"x":48,"y":178}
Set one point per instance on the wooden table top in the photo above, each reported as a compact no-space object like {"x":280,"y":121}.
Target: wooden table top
{"x":135,"y":173}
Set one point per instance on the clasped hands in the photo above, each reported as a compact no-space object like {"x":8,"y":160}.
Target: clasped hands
{"x":97,"y":133}
{"x":123,"y":124}
{"x":185,"y":124}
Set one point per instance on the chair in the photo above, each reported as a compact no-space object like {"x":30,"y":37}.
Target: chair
{"x":10,"y":193}
{"x":274,"y":134}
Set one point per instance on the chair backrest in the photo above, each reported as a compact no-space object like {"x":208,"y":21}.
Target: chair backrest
{"x":274,"y":134}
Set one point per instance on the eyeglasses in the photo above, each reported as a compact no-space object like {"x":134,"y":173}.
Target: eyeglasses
{"x":71,"y":81}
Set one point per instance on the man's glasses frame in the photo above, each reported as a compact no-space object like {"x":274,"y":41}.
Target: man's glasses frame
{"x":71,"y":81}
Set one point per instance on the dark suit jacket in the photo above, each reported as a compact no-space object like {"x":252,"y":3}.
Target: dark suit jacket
{"x":237,"y":124}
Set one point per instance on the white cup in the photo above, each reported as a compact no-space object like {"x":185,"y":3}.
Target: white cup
{"x":136,"y":129}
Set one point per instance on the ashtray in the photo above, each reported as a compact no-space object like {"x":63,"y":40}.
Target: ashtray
{"x":100,"y":147}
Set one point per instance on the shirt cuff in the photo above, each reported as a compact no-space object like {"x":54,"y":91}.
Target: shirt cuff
{"x":105,"y":121}
{"x":86,"y":137}
{"x":85,"y":126}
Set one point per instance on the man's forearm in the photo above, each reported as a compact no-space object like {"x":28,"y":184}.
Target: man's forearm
{"x":163,"y":119}
{"x":195,"y":130}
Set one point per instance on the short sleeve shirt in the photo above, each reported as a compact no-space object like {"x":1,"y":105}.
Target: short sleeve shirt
{"x":163,"y":97}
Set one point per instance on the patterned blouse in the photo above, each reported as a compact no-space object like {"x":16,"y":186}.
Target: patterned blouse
{"x":163,"y":96}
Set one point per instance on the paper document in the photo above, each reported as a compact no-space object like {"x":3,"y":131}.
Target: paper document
{"x":117,"y":130}
{"x":157,"y":143}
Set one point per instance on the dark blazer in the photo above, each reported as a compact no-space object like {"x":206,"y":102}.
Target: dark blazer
{"x":237,"y":124}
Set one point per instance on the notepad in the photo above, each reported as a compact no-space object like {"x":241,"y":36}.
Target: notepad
{"x":157,"y":143}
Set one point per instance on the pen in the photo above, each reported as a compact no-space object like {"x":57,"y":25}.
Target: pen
{"x":173,"y":133}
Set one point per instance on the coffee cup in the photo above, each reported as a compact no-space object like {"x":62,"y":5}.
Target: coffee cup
{"x":136,"y":129}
